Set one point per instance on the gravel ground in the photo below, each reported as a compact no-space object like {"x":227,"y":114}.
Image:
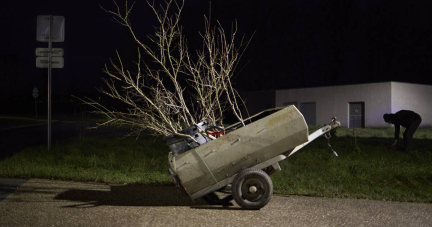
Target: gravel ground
{"x":62,"y":203}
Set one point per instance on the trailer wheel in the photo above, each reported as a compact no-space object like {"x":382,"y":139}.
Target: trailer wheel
{"x":252,"y":189}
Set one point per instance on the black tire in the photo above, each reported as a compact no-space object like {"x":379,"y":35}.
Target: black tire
{"x":252,"y":189}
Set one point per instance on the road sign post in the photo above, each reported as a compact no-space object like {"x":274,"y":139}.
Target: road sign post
{"x":49,"y":80}
{"x":49,"y":29}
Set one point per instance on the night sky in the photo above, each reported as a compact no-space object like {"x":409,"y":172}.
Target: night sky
{"x":301,"y":43}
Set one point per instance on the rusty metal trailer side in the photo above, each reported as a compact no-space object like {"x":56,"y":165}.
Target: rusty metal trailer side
{"x":217,"y":161}
{"x":273,"y":162}
{"x":245,"y":158}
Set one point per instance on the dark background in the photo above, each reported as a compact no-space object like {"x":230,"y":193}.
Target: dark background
{"x":300,"y":43}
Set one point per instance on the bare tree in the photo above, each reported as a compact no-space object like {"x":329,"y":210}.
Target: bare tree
{"x":173,"y":87}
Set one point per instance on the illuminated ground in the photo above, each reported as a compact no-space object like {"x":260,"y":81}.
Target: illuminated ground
{"x":62,"y":203}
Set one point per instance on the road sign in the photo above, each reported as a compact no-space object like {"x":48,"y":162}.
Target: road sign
{"x":57,"y":30}
{"x":55,"y":52}
{"x":35,"y":93}
{"x":50,"y":29}
{"x":43,"y":62}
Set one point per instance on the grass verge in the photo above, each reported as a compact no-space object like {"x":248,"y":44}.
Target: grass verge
{"x":366,"y":167}
{"x":102,"y":159}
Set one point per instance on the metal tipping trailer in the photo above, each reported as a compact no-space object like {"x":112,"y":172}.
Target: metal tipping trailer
{"x":244,"y":157}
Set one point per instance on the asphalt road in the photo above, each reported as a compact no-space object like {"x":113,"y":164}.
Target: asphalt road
{"x":61,"y":203}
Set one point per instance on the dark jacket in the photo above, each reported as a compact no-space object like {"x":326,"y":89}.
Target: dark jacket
{"x":404,"y":118}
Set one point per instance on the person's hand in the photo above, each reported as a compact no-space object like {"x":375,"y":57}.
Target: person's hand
{"x":394,"y":144}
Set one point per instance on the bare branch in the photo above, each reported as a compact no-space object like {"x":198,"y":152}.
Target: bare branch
{"x":170,"y":88}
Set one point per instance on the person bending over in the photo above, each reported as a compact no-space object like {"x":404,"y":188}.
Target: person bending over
{"x":410,"y":120}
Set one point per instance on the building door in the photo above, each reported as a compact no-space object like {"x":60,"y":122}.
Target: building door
{"x":308,"y":109}
{"x":356,"y":115}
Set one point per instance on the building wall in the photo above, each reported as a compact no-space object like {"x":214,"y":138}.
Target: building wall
{"x":333,"y":101}
{"x":415,"y":97}
{"x":258,"y":101}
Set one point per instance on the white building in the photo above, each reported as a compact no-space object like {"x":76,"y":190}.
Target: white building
{"x":361,"y":105}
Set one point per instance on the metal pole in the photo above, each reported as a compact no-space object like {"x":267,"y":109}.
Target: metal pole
{"x":49,"y":80}
{"x":36,"y":107}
